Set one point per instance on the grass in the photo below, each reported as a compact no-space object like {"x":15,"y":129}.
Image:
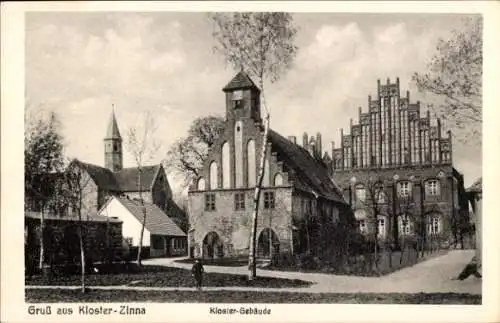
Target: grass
{"x":66,"y":296}
{"x":159,"y":276}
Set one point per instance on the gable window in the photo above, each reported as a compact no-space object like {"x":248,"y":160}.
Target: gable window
{"x":432,"y":187}
{"x":404,"y":189}
{"x":434,"y":225}
{"x":237,"y":99}
{"x":268,"y":200}
{"x":239,"y":201}
{"x":210,"y":202}
{"x":360,"y":193}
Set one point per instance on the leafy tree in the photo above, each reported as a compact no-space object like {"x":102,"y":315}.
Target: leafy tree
{"x":43,"y":159}
{"x":454,"y":74}
{"x":142,"y":145}
{"x":187,"y":155}
{"x":262,"y":45}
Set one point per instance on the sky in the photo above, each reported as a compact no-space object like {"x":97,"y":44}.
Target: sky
{"x":80,"y":64}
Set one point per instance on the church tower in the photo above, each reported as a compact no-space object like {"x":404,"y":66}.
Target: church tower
{"x":113,"y":155}
{"x":242,"y":98}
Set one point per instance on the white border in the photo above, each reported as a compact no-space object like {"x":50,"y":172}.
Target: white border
{"x":13,"y":308}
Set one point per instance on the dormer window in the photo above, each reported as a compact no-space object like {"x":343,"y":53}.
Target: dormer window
{"x":237,"y":99}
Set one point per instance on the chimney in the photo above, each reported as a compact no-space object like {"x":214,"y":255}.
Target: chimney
{"x":319,"y":147}
{"x":359,"y":109}
{"x":305,"y":140}
{"x":408,"y":96}
{"x":293,"y":139}
{"x":388,"y":81}
{"x":378,"y":87}
{"x":342,"y":137}
{"x":369,"y":102}
{"x":333,"y":149}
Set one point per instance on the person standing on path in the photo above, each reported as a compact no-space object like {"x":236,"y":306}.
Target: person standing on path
{"x":197,"y":272}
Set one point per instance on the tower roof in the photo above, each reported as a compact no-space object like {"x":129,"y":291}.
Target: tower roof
{"x":240,"y":81}
{"x":113,"y":132}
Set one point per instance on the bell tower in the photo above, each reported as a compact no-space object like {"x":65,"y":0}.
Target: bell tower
{"x":242,"y":98}
{"x":113,"y":155}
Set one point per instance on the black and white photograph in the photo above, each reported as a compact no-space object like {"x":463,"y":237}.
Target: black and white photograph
{"x":244,"y":159}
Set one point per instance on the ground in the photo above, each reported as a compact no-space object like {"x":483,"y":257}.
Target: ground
{"x":431,"y":281}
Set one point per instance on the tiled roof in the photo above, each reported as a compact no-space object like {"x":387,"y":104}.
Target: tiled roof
{"x":89,"y":218}
{"x":310,"y":174}
{"x":240,"y":81}
{"x":124,"y":180}
{"x":477,"y":186}
{"x":103,"y":177}
{"x":127,"y":178}
{"x":157,"y":222}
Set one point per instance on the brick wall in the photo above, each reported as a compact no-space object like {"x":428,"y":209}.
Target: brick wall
{"x":444,"y":204}
{"x":233,"y":227}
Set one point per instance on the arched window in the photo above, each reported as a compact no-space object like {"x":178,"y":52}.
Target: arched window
{"x":238,"y":153}
{"x":201,"y":184}
{"x":265,"y":181}
{"x":381,"y":223}
{"x":278,"y":180}
{"x":404,"y":189}
{"x":251,"y":163}
{"x":225,"y":166}
{"x":213,"y":175}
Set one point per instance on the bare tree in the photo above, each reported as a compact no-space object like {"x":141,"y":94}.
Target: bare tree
{"x":455,"y":75}
{"x":142,"y":145}
{"x":261,"y":44}
{"x":77,"y":187}
{"x":187,"y":155}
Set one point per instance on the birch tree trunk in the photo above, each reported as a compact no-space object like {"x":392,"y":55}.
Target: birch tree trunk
{"x":252,"y":270}
{"x":42,"y":249}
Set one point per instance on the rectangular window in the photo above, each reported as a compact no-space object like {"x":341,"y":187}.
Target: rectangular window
{"x":432,"y":188}
{"x":405,"y":226}
{"x":434,"y":225}
{"x":237,"y":98}
{"x":239,"y":201}
{"x":404,"y":189}
{"x":210,"y":202}
{"x":268,"y":200}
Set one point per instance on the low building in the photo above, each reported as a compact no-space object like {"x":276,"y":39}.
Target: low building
{"x":162,"y":237}
{"x":102,"y":239}
{"x":301,"y":210}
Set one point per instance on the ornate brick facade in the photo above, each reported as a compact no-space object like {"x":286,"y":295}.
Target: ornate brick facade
{"x":393,"y":145}
{"x":299,"y":207}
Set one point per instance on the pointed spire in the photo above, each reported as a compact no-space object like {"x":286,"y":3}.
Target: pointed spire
{"x":113,"y":132}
